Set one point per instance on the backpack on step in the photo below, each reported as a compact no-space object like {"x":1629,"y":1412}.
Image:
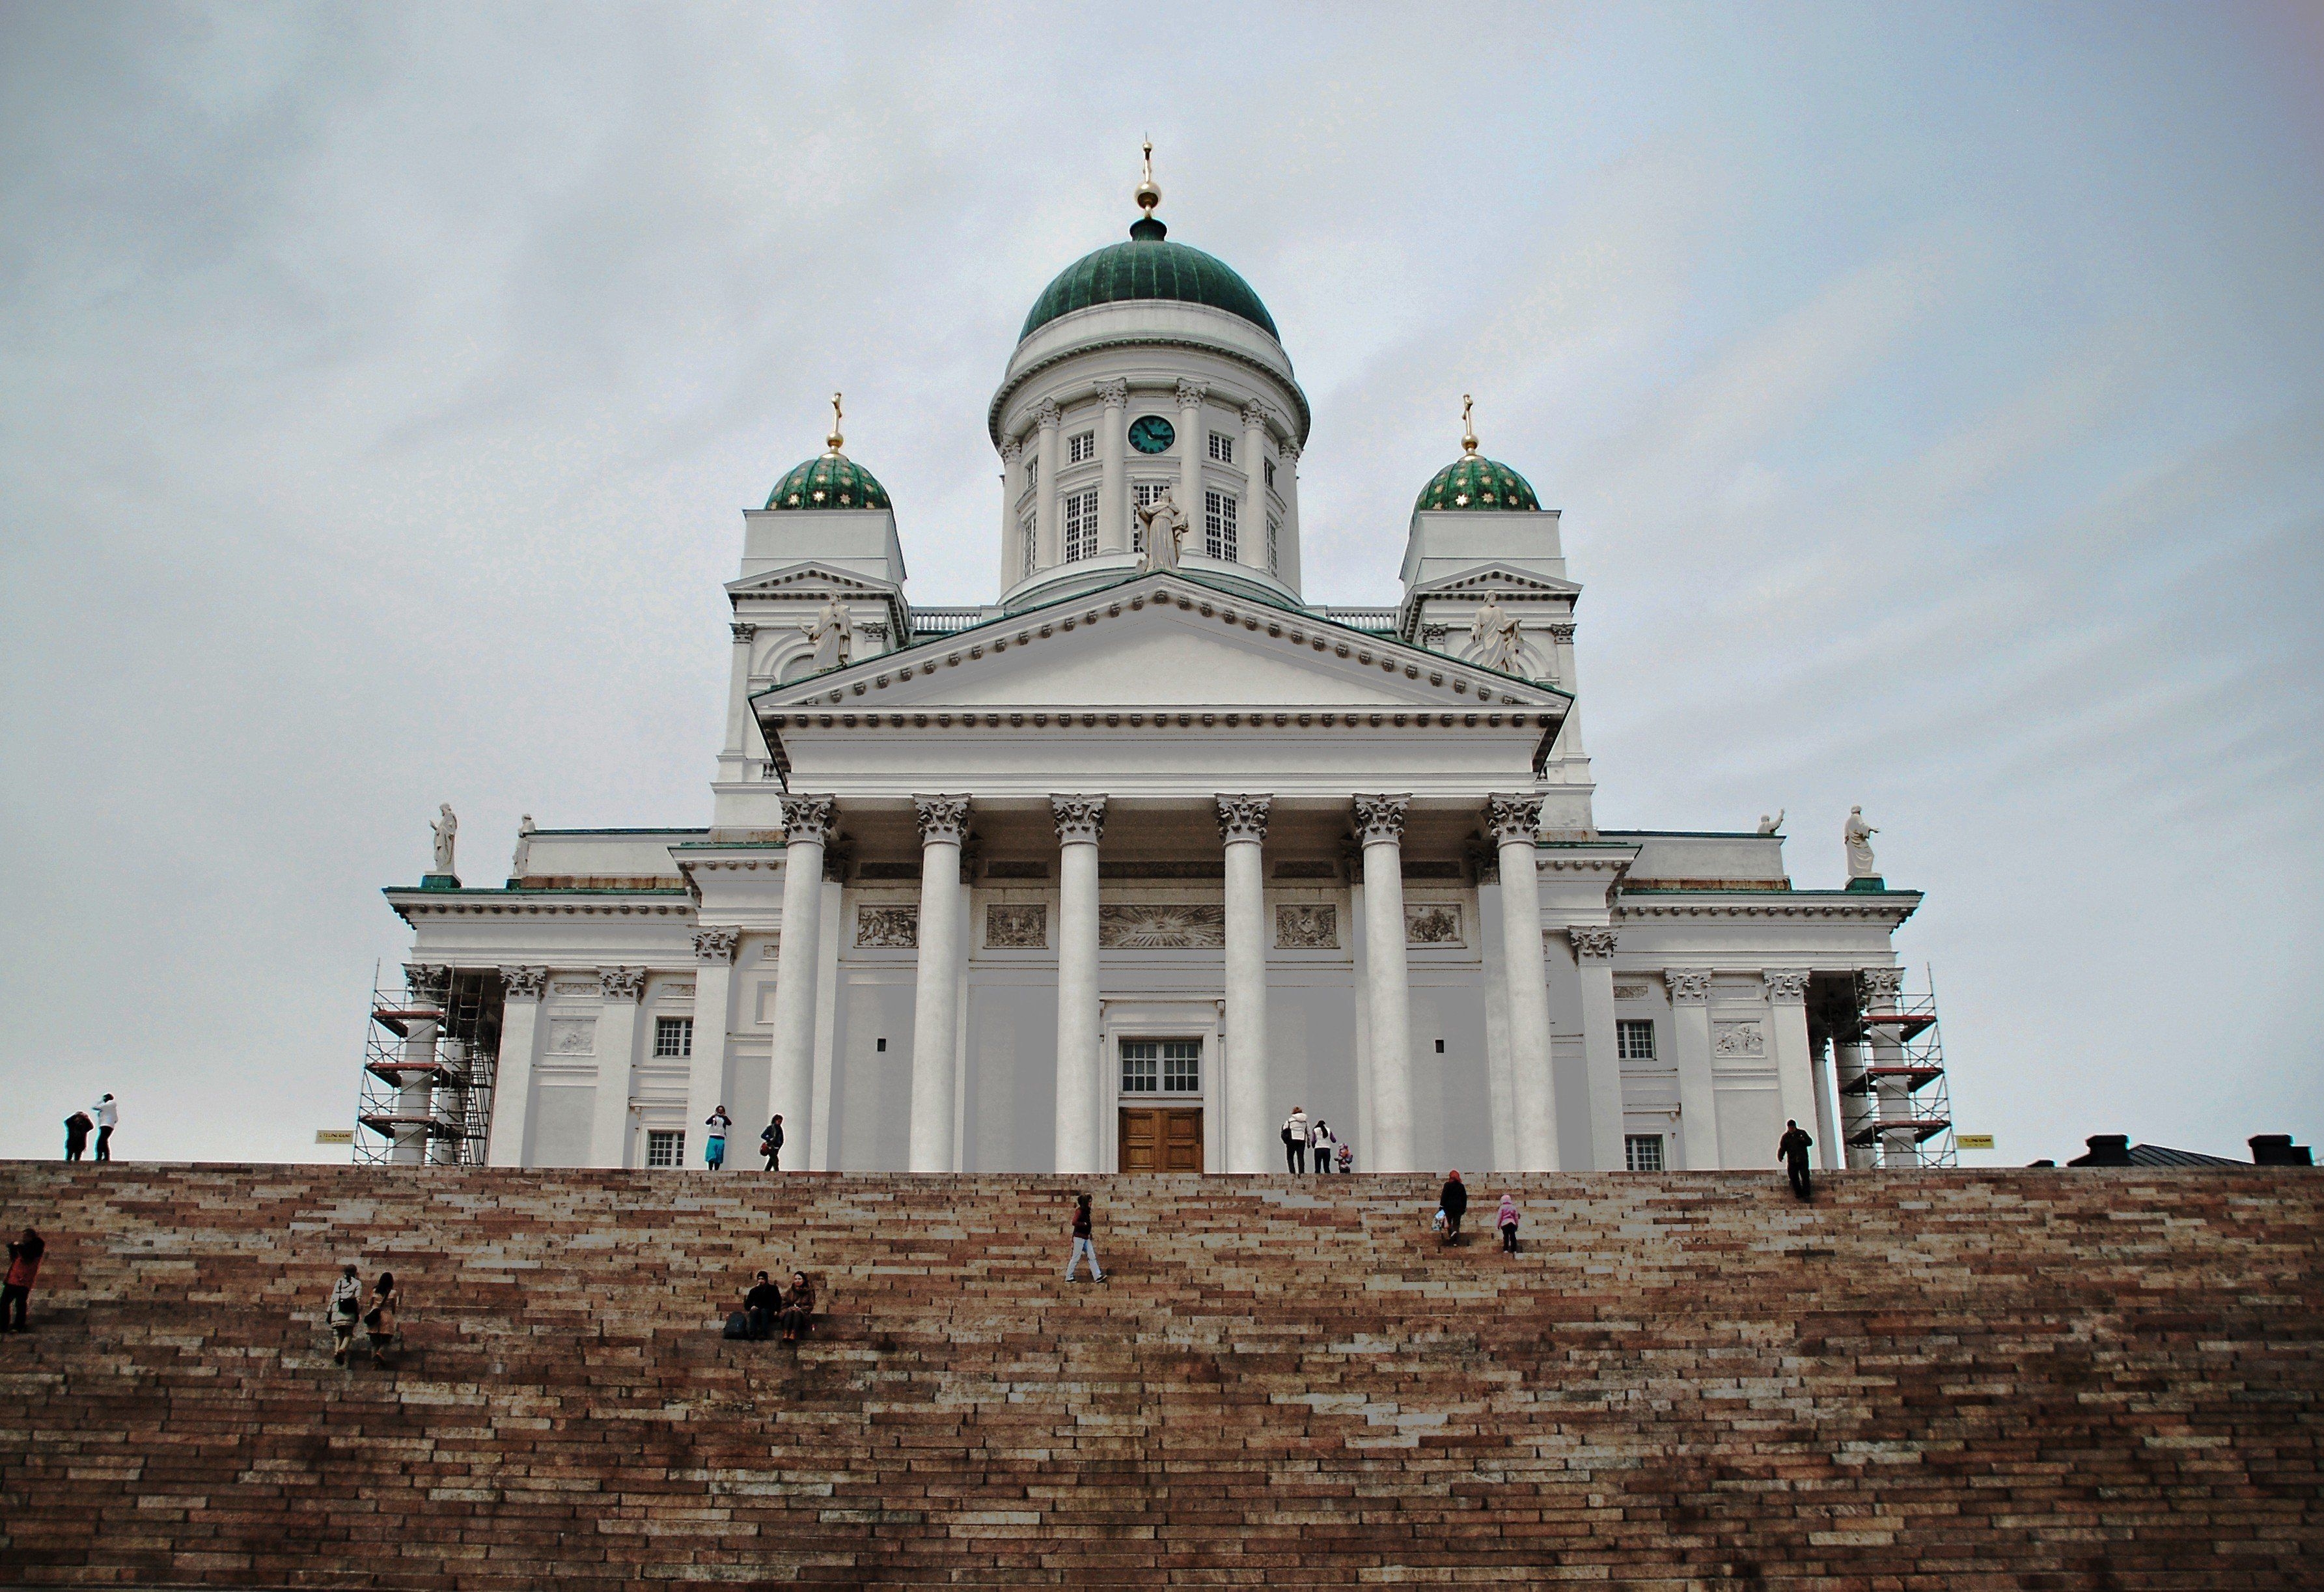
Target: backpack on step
{"x":738,"y":1324}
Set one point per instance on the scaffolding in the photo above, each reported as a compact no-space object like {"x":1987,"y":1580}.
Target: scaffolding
{"x":1897,"y":1107}
{"x":430,"y":1056}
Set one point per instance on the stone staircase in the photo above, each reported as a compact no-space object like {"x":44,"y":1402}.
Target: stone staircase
{"x":1967,"y":1379}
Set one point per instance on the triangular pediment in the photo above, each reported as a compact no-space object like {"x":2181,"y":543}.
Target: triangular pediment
{"x":1159,"y":641}
{"x":810,"y":576}
{"x":1506,"y":578}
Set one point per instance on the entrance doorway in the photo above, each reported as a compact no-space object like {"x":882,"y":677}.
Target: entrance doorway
{"x":1160,"y":1138}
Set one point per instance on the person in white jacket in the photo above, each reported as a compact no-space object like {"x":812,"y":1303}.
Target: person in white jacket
{"x":342,"y":1311}
{"x":1322,"y":1140}
{"x":1295,"y":1139}
{"x":105,"y":1114}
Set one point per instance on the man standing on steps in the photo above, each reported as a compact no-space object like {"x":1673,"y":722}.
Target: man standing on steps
{"x":107,"y":1115}
{"x":1791,"y":1150}
{"x":771,"y":1144}
{"x":1295,"y":1140}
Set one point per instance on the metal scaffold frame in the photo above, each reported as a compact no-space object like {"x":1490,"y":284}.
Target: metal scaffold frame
{"x":1898,"y":1104}
{"x":430,"y":1054}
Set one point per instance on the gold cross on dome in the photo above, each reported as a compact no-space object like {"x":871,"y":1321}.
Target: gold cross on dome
{"x":834,"y":440}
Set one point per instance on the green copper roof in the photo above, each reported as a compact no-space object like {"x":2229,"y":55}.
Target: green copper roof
{"x":829,"y":481}
{"x":1475,"y":482}
{"x":1149,"y":266}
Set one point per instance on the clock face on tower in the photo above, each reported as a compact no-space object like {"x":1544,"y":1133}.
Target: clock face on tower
{"x":1151,"y":433}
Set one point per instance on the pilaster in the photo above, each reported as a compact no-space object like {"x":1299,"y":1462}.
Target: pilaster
{"x":1698,"y":1090}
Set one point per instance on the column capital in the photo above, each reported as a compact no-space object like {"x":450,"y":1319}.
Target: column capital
{"x":942,"y":818}
{"x":1114,"y":395}
{"x":525,"y":983}
{"x":1288,"y":446}
{"x":1243,"y":817}
{"x":1592,"y":943}
{"x":1561,"y":632}
{"x":716,"y":945}
{"x":1382,"y":818}
{"x":1786,"y":986}
{"x":1254,"y":414}
{"x":426,"y":981}
{"x":807,"y":818}
{"x":621,"y":984}
{"x":1078,"y":817}
{"x":1011,"y":452}
{"x":1191,"y":392}
{"x":1513,"y":817}
{"x":743,"y":633}
{"x":1876,"y":988}
{"x":1047,"y":415}
{"x":1689,"y":986}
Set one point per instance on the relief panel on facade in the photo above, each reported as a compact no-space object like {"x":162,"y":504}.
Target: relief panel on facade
{"x":1017,"y":926}
{"x":573,"y":1036}
{"x":1431,"y":923}
{"x":1307,"y":926}
{"x":1160,"y":926}
{"x":1740,"y":1040}
{"x":1630,"y":992}
{"x":887,"y":928}
{"x":574,"y":986}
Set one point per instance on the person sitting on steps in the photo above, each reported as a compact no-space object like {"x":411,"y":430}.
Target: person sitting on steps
{"x":1454,"y":1203}
{"x":799,"y":1308}
{"x":762,"y":1304}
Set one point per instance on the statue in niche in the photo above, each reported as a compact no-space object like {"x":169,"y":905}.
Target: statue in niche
{"x":445,"y":826}
{"x":1494,"y":629}
{"x":1163,"y":525}
{"x":832,"y":632}
{"x":1858,"y":836}
{"x":1768,"y":826}
{"x":522,"y":861}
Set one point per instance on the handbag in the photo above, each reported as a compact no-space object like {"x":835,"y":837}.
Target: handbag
{"x":1286,"y":1132}
{"x":370,"y":1320}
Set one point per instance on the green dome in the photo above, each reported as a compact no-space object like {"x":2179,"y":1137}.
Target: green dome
{"x":1475,"y":482}
{"x":829,"y":481}
{"x":1149,"y":266}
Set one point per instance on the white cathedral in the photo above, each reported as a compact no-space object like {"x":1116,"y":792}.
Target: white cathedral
{"x":1113,"y":871}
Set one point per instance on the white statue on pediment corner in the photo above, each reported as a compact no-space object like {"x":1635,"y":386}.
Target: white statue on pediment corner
{"x":444,"y":829}
{"x":1857,"y":836}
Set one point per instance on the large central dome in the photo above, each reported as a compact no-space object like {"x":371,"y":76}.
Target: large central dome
{"x":1149,"y":266}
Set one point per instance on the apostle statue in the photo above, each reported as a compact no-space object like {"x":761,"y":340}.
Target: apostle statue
{"x":1768,"y":826}
{"x":522,"y":860}
{"x":445,"y":826}
{"x":1859,"y":836}
{"x":1494,"y":629}
{"x":833,"y":634}
{"x":1162,"y":523}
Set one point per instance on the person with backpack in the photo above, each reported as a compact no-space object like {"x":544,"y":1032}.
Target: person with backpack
{"x":1084,"y":1241}
{"x":341,"y":1310}
{"x":77,"y":1128}
{"x":1452,"y":1204}
{"x":770,"y":1144}
{"x":23,"y":1265}
{"x":1295,"y":1139}
{"x":1506,"y":1219}
{"x":713,"y":1149}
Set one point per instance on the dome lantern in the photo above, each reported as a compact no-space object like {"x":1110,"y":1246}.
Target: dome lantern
{"x":1473,"y":481}
{"x":830,"y":480}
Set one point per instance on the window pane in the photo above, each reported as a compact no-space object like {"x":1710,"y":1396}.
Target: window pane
{"x":1182,"y":1066}
{"x":1643,"y":1151}
{"x":1140,"y":1065}
{"x":665,"y":1147}
{"x":1633,"y":1038}
{"x":1221,"y":448}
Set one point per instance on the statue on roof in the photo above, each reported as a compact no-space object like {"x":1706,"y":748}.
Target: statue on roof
{"x":1494,"y":631}
{"x":1768,"y":826}
{"x":1858,"y":836}
{"x":1161,"y":525}
{"x":445,"y":826}
{"x":520,"y":863}
{"x":832,"y":632}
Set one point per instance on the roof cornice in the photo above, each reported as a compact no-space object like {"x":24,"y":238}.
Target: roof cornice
{"x":1828,"y":906}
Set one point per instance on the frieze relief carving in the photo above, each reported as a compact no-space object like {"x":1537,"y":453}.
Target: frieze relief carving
{"x":1024,"y":927}
{"x":1307,"y":928}
{"x":573,"y":1036}
{"x":1162,"y":926}
{"x":1738,"y":1039}
{"x":1630,"y":992}
{"x":574,"y":986}
{"x":887,"y":928}
{"x":1431,"y":923}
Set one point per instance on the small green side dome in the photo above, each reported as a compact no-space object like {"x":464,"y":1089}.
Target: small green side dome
{"x":829,"y":481}
{"x":1475,"y":482}
{"x":1149,"y":266}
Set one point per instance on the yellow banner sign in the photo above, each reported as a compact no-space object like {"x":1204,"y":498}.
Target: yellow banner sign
{"x":1974,"y":1141}
{"x":334,"y":1136}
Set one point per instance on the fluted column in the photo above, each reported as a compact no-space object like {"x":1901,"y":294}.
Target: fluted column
{"x":513,"y":1074}
{"x":738,"y":704}
{"x":1114,"y":480}
{"x":936,"y":990}
{"x":1251,"y":549}
{"x":1049,"y":540}
{"x":1826,"y":1126}
{"x":1194,"y":444}
{"x":1379,"y":825}
{"x":1787,"y":1035}
{"x":1698,"y":1094}
{"x":1242,"y":825}
{"x":1515,"y":823}
{"x":621,"y":989}
{"x":1081,"y":820}
{"x":707,"y":1086}
{"x":1593,"y":963}
{"x":1012,"y":540}
{"x":1287,"y":488}
{"x":807,"y":826}
{"x":1892,"y":1093}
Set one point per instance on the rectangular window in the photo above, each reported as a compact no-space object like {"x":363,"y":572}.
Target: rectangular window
{"x":1221,"y":448}
{"x":1081,"y":447}
{"x":1168,"y":1066}
{"x":1026,"y":528}
{"x":1643,"y":1151}
{"x":1219,"y":524}
{"x":673,"y":1036}
{"x":1269,"y":465}
{"x":1032,"y":472}
{"x":665,"y":1147}
{"x":1182,"y":1067}
{"x":1081,"y":525}
{"x":1274,"y":549}
{"x":1142,"y":1067}
{"x":1634,"y":1040}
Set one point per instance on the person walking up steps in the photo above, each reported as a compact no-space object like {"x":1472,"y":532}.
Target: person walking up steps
{"x":23,"y":1265}
{"x":1295,"y":1139}
{"x":1791,"y":1150}
{"x":341,"y":1308}
{"x":1454,"y":1203}
{"x":378,"y":1321}
{"x":1084,"y":1232}
{"x":713,"y":1149}
{"x":770,"y":1144}
{"x":107,"y":1115}
{"x":1506,"y":1219}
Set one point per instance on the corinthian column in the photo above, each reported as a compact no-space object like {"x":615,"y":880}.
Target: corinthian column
{"x":1287,"y":488}
{"x":1697,"y":1091}
{"x":1048,"y":539}
{"x":1079,"y":821}
{"x":1113,"y":482}
{"x":1012,"y":543}
{"x":807,"y":824}
{"x":1379,"y":825}
{"x":1516,"y":822}
{"x":1243,"y":825}
{"x":1593,"y":963}
{"x":1253,"y":548}
{"x":936,"y":992}
{"x":706,"y":1083}
{"x":1194,"y":442}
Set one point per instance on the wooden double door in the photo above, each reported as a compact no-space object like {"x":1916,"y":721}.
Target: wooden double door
{"x":1161,"y":1138}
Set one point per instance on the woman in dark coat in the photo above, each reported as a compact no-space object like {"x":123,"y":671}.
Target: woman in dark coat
{"x":1453,"y":1202}
{"x":799,"y":1308}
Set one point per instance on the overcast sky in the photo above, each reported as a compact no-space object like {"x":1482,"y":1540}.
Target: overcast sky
{"x":1935,"y":397}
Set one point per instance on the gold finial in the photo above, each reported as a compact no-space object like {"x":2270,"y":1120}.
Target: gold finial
{"x":1149,"y":196}
{"x":1468,"y":431}
{"x":834,"y":440}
